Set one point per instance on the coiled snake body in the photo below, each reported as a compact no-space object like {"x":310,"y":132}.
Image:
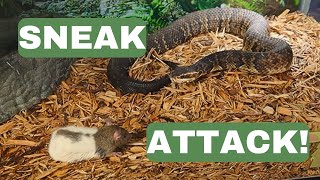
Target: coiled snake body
{"x":261,"y":53}
{"x":24,"y":82}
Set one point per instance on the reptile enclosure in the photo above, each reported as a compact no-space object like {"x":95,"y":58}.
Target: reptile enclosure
{"x":86,"y":98}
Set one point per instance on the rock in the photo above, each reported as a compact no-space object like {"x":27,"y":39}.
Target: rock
{"x":268,"y":110}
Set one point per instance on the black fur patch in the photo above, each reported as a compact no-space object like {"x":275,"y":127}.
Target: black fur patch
{"x":74,"y":136}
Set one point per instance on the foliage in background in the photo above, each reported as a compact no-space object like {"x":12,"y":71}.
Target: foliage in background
{"x":82,"y":8}
{"x":295,"y":2}
{"x":23,"y":2}
{"x":157,"y":13}
{"x":193,"y":5}
{"x":253,"y":5}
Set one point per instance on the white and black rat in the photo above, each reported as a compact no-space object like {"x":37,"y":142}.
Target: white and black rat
{"x":73,"y":144}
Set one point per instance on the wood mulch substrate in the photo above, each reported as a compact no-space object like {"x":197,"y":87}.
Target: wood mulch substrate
{"x":87,"y":99}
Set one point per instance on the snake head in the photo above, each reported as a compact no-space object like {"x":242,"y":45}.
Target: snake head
{"x":184,"y":75}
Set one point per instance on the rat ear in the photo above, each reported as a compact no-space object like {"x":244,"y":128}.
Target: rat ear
{"x":116,"y":135}
{"x":108,"y":121}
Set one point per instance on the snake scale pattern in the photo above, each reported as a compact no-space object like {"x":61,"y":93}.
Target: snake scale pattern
{"x":260,"y":54}
{"x":24,"y":82}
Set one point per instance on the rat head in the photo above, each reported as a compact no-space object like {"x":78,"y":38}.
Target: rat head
{"x":120,"y":136}
{"x":185,"y":75}
{"x":108,"y":138}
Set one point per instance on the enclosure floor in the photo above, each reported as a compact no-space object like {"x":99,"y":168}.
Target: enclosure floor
{"x":87,"y":99}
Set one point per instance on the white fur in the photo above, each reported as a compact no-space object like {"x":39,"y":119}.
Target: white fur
{"x":64,"y":149}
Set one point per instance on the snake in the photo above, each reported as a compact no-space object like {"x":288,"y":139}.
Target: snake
{"x":26,"y":81}
{"x":261,"y":54}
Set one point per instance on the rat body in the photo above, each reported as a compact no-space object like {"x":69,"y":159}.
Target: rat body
{"x":73,"y":144}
